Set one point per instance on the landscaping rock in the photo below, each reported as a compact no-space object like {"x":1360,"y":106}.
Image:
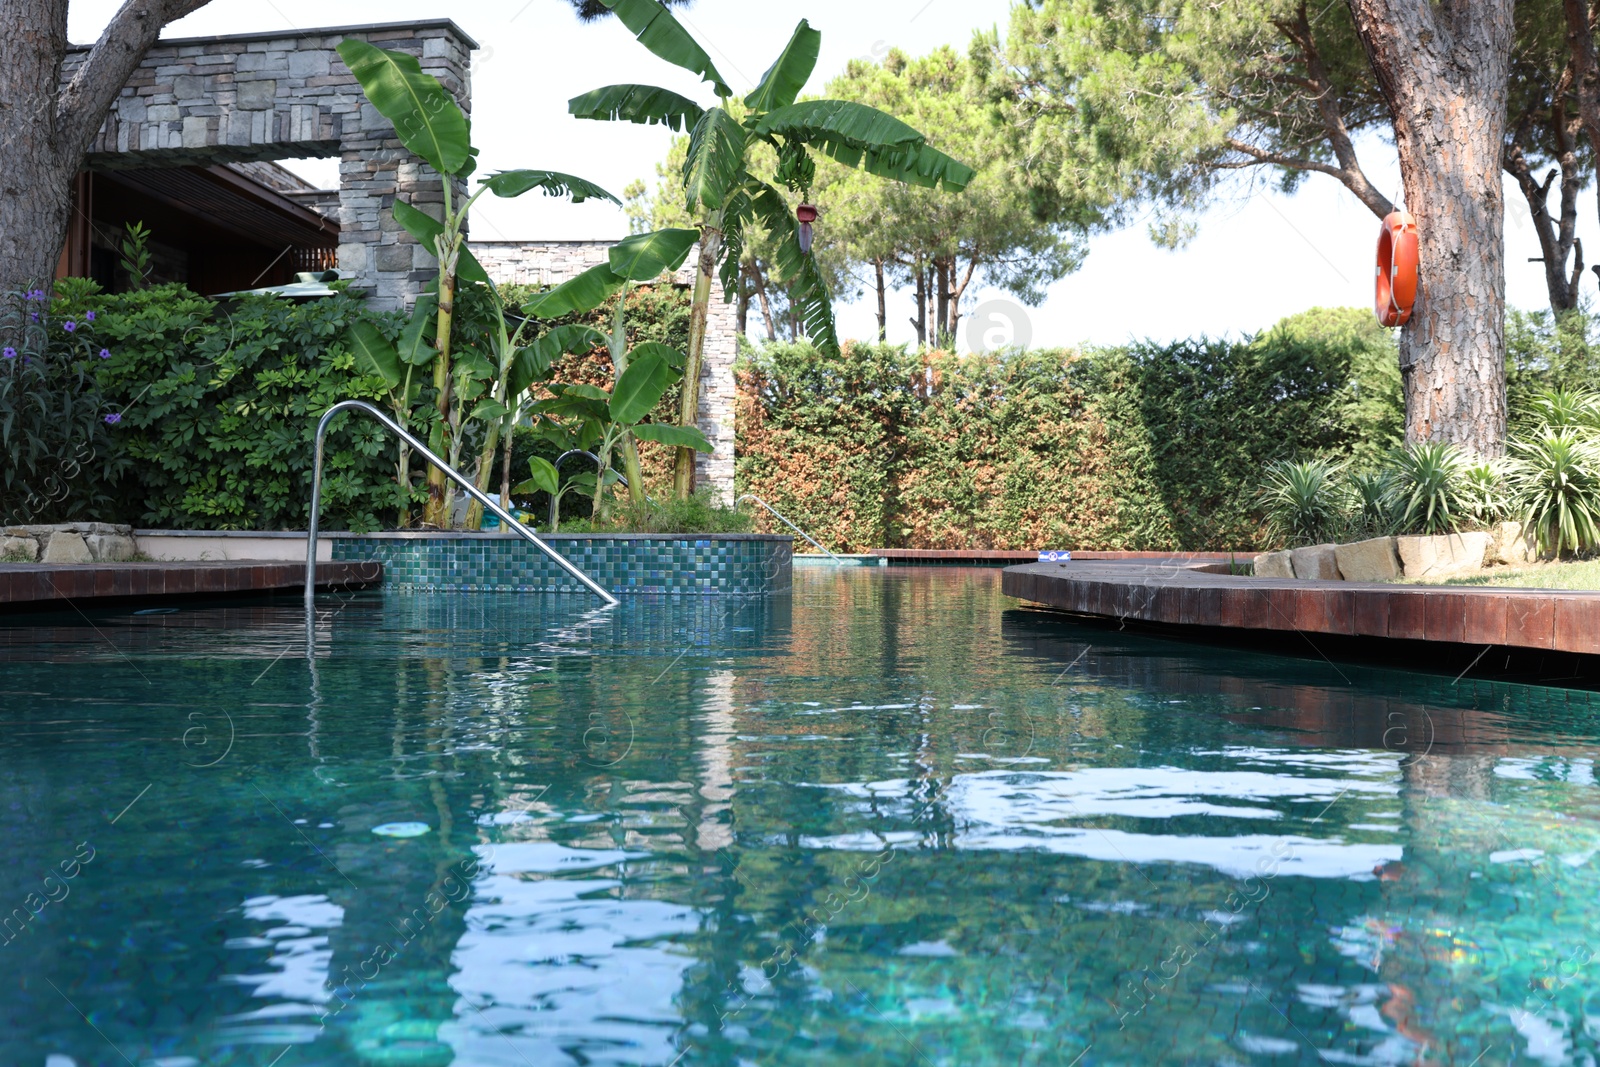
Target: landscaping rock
{"x":1443,"y":555}
{"x":111,"y":548}
{"x":26,"y":547}
{"x":1319,"y":562}
{"x":66,"y":547}
{"x":1511,"y":544}
{"x":1274,"y":565}
{"x":1374,"y":560}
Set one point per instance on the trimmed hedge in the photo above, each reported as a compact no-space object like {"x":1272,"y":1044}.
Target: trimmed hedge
{"x":1147,"y":447}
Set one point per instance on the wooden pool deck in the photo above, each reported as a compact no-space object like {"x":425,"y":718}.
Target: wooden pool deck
{"x":40,"y":584}
{"x":1176,"y":592}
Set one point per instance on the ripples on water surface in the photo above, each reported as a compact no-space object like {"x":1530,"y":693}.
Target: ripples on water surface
{"x":891,"y":819}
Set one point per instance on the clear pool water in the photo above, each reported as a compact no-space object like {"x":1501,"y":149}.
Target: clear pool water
{"x":892,"y":819}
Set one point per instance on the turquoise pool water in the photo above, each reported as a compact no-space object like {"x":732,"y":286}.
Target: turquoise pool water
{"x":890,"y":819}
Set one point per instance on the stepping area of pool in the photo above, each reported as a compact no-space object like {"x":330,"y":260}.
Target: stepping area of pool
{"x":1180,"y":592}
{"x":39,"y":584}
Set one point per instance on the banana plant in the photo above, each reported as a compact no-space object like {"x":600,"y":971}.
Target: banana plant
{"x":401,"y":368}
{"x":640,"y":376}
{"x":721,"y":192}
{"x":431,"y":125}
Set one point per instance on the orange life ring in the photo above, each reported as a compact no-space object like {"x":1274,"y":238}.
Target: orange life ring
{"x":1397,"y":268}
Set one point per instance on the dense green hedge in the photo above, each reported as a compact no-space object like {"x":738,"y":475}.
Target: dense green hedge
{"x":1147,"y":447}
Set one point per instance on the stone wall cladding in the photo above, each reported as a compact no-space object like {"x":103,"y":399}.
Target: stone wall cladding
{"x":553,"y":262}
{"x":282,"y":95}
{"x":707,"y":565}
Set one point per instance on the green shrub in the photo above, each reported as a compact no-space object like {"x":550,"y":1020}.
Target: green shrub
{"x":1555,"y":479}
{"x":1302,"y":500}
{"x":1564,"y":409}
{"x":1484,"y":494}
{"x":218,"y":410}
{"x":667,"y":515}
{"x":55,"y":427}
{"x":1427,"y":480}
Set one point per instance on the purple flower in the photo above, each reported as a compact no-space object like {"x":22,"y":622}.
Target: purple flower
{"x":89,"y":315}
{"x":35,"y":316}
{"x":113,"y":418}
{"x":9,"y":352}
{"x":69,"y":326}
{"x":105,"y":353}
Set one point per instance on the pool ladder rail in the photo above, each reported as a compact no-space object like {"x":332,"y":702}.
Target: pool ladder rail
{"x":483,"y":498}
{"x":784,"y":519}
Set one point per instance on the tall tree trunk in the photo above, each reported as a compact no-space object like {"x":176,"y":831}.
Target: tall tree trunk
{"x":957,"y":291}
{"x":883,"y":309}
{"x":942,"y":269}
{"x":45,"y":127}
{"x":699,"y":312}
{"x":1558,"y":236}
{"x":921,"y":321}
{"x":760,"y":286}
{"x":1443,"y":67}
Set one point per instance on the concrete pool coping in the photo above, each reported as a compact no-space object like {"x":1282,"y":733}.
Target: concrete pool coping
{"x":1178,"y":592}
{"x":34,"y":584}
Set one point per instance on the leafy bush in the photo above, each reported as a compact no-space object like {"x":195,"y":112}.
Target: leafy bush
{"x":54,"y":424}
{"x":667,"y":515}
{"x":216,"y":411}
{"x":1302,"y":500}
{"x":1426,"y":480}
{"x":1555,"y":476}
{"x":1564,"y":409}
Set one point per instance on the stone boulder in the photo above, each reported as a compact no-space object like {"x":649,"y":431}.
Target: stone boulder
{"x":111,"y":548}
{"x":64,"y":547}
{"x":1373,"y":560}
{"x":1511,"y":544}
{"x":1274,"y":565}
{"x":1318,"y":562}
{"x":24,"y":547}
{"x":1443,"y":555}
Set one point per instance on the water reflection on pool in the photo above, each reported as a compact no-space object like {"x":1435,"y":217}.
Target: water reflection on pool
{"x":891,"y":819}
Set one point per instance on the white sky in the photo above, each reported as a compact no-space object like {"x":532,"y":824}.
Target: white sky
{"x":1255,"y":260}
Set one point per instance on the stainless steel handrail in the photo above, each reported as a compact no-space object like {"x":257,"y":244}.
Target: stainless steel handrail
{"x":461,"y":480}
{"x":786,"y":522}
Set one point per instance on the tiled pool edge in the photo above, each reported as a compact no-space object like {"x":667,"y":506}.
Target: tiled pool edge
{"x":682,"y":564}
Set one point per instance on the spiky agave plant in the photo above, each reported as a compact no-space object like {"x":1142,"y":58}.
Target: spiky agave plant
{"x":1426,"y":480}
{"x":1301,"y":499}
{"x":1484,"y":493}
{"x":1369,"y":497}
{"x":1555,"y":481}
{"x":1566,"y":409}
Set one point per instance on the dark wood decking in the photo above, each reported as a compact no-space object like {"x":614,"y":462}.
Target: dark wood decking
{"x":36,"y":584}
{"x":1176,"y":593}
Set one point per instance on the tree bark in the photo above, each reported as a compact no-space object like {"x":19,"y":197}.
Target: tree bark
{"x":1443,"y":69}
{"x":699,"y":312}
{"x":46,"y":127}
{"x":943,"y":268}
{"x":921,"y":321}
{"x":760,"y":286}
{"x":883,"y":308}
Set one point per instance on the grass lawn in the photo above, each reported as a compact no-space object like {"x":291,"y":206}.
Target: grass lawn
{"x":1579,"y":575}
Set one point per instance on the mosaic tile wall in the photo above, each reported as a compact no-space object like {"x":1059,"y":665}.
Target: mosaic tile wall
{"x":633,"y":563}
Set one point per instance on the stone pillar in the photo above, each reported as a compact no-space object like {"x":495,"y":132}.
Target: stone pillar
{"x":715,"y":469}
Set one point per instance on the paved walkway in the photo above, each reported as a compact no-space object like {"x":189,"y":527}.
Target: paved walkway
{"x":1175,"y":592}
{"x":39,"y":583}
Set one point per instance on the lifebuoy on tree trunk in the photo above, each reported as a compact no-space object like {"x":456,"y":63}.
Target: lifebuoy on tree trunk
{"x":1397,"y":268}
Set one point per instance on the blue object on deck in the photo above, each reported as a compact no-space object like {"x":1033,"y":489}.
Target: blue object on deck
{"x":1054,"y":555}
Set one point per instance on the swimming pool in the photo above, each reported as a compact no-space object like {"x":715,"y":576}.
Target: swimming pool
{"x":888,"y":819}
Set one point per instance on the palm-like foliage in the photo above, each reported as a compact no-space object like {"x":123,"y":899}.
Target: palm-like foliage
{"x":718,"y":186}
{"x":1427,"y":478}
{"x":1566,"y":409}
{"x":1484,"y":495}
{"x":1301,"y":500}
{"x":1555,"y":478}
{"x":1370,"y":497}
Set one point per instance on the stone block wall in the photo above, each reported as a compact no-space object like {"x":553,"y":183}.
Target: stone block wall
{"x":287,"y":94}
{"x":552,"y":262}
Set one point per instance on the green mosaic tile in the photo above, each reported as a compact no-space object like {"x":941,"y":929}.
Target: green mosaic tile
{"x":700,"y":566}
